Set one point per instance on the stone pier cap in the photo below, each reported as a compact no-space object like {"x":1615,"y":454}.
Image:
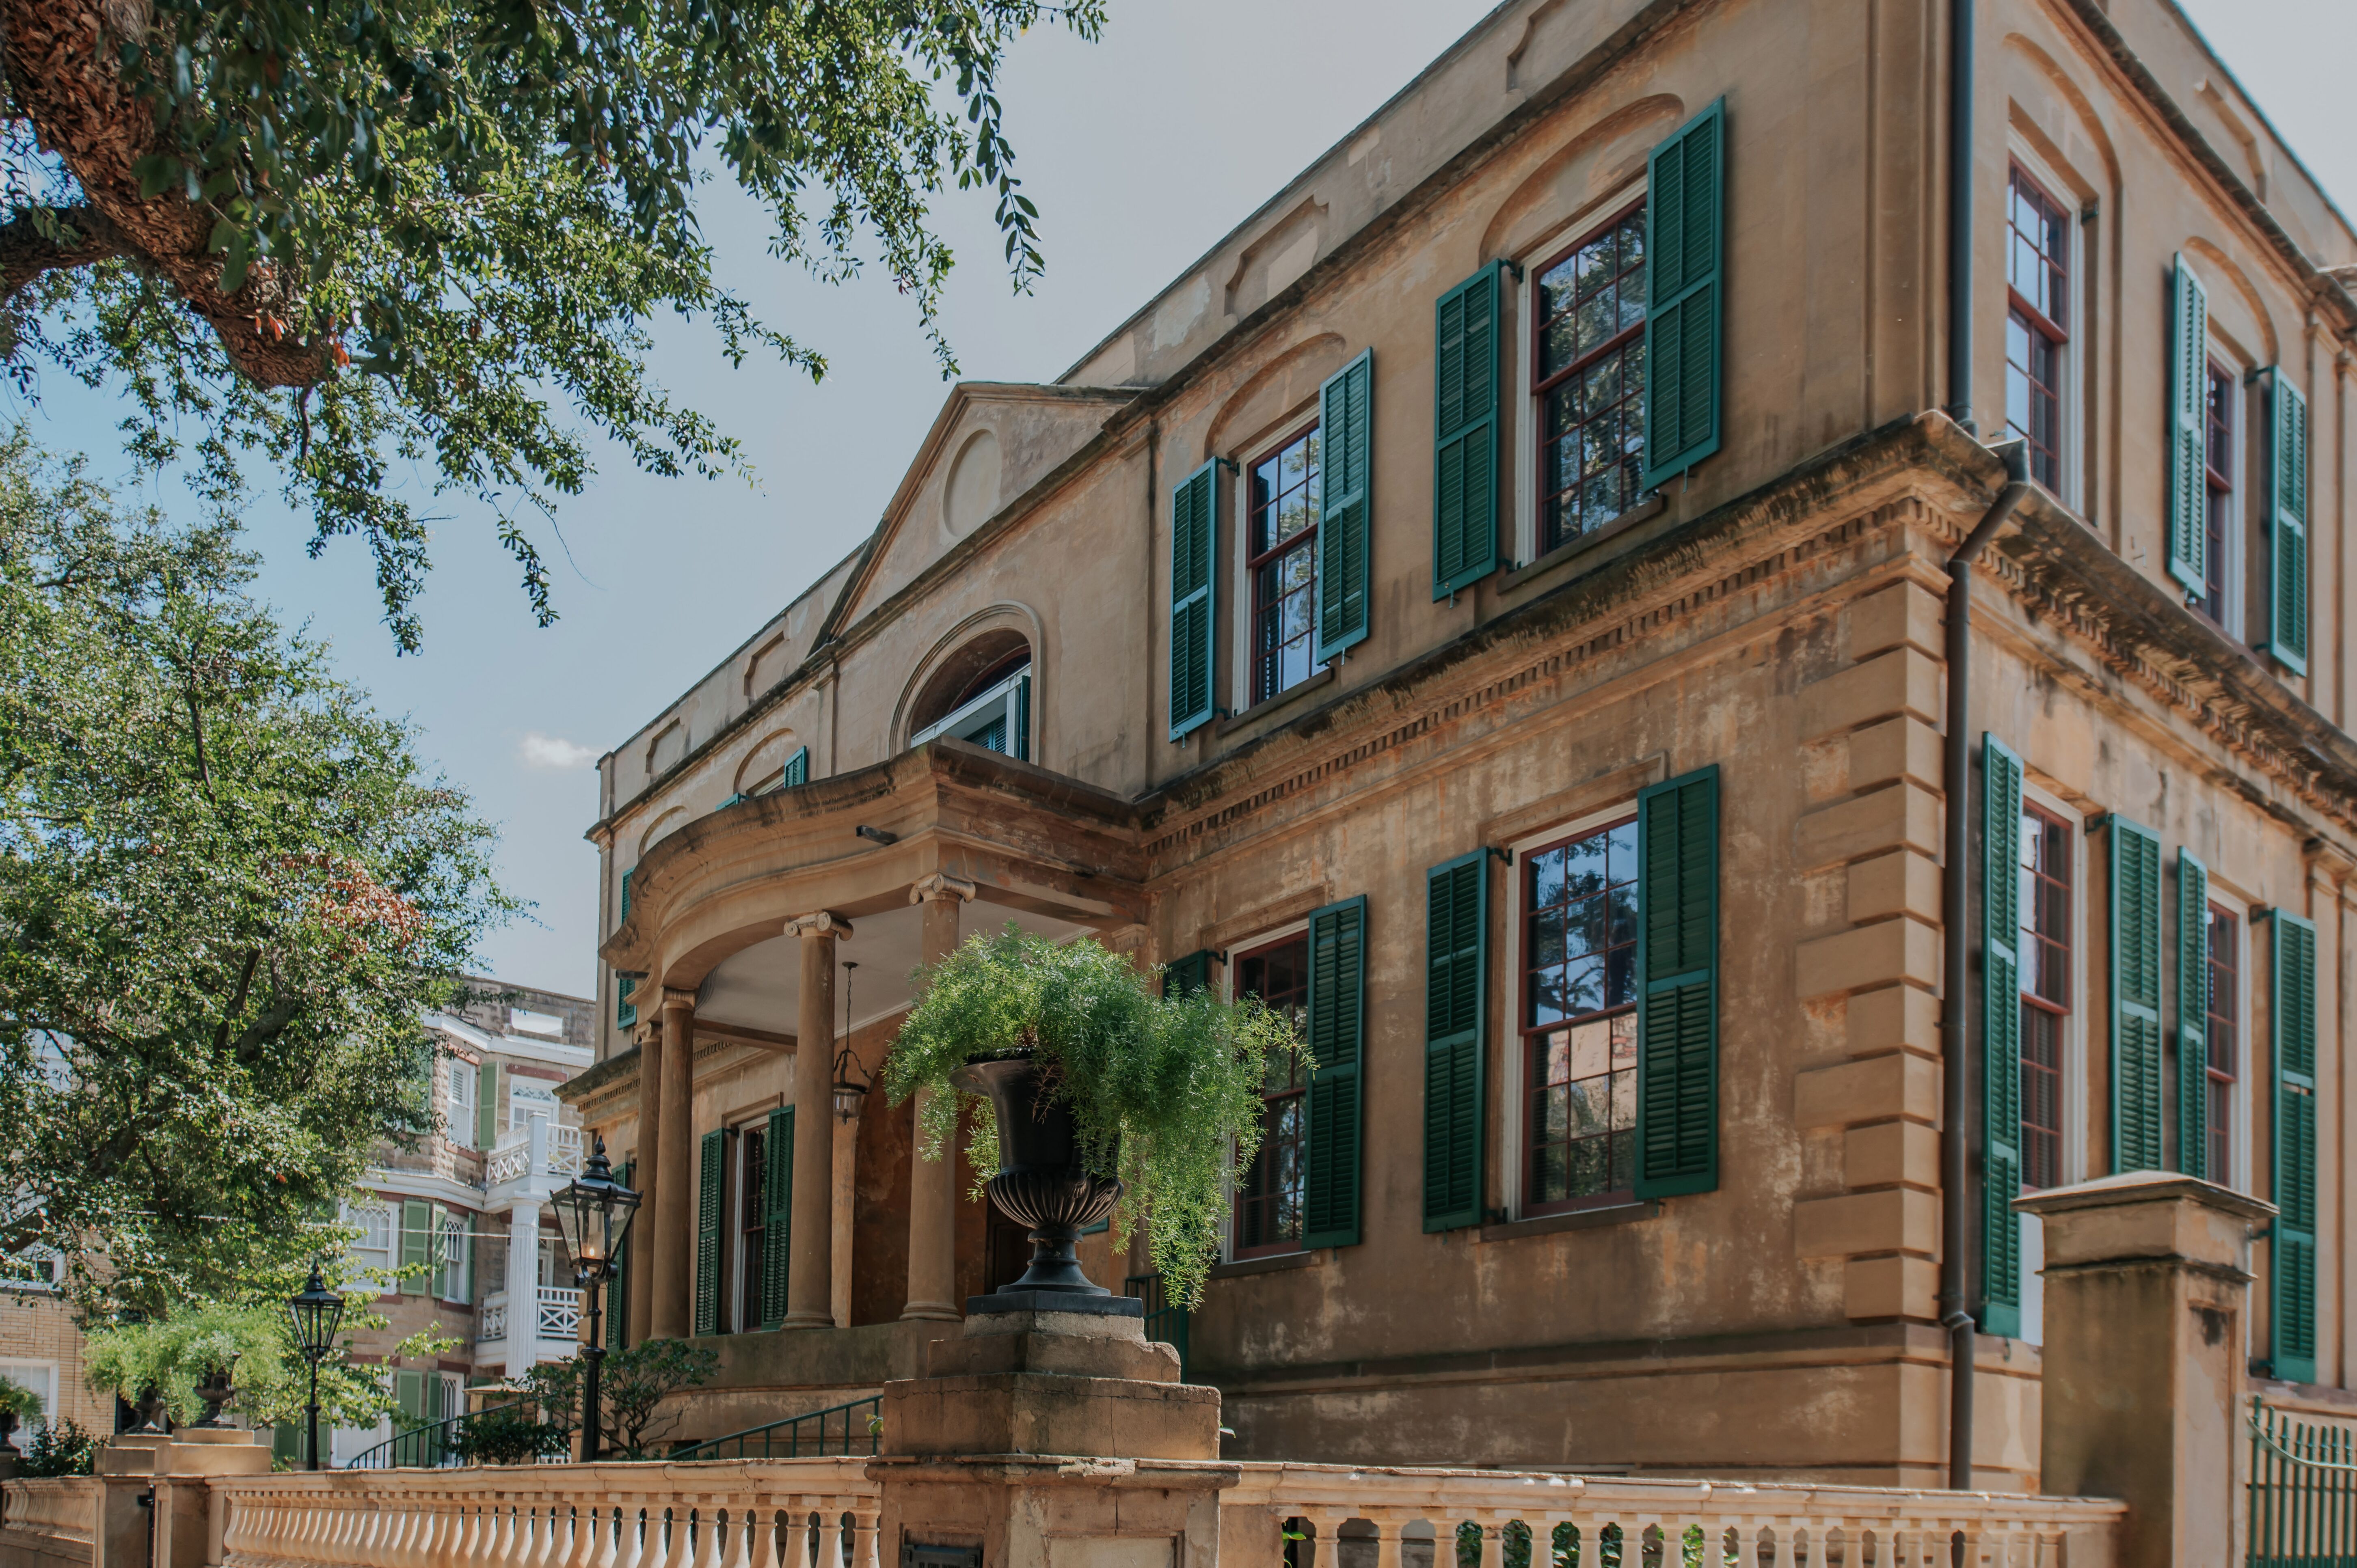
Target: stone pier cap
{"x":2154,"y":1215}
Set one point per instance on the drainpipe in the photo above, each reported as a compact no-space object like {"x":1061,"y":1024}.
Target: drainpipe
{"x":1960,"y":213}
{"x":1955,"y":908}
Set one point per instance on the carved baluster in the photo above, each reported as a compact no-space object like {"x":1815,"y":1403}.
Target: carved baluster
{"x":865,"y":1517}
{"x":829,"y":1533}
{"x":797,"y":1541}
{"x":762,"y":1546}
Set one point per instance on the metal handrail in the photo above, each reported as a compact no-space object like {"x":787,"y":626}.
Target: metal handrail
{"x":2303,"y":1506}
{"x":381,"y":1456}
{"x":792,"y":1442}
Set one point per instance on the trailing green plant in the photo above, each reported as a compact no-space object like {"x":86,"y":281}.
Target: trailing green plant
{"x":59,"y":1448}
{"x":1164,"y":1092}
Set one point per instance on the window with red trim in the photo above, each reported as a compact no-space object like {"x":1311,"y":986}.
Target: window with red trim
{"x":1578,"y":1021}
{"x":2045,"y":990}
{"x":2037,"y":277}
{"x":1268,"y":1196}
{"x":1588,"y":373}
{"x":2222,"y":1025}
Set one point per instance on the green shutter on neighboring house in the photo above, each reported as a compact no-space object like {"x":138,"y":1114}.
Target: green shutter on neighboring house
{"x":487,"y":1107}
{"x":1455,"y":994}
{"x":2188,"y":430}
{"x":797,"y":772}
{"x":1345,"y":404}
{"x":1194,"y":599}
{"x":1465,"y":433}
{"x":2000,"y":1281}
{"x":1182,"y":975}
{"x":1686,"y":210}
{"x":2192,"y":1015}
{"x":1337,"y":1032}
{"x":2136,"y":1070}
{"x":2292,"y":1301}
{"x":416,"y":1236}
{"x":708,"y":1210}
{"x":618,"y":1294}
{"x":626,"y":1012}
{"x":778,"y":1221}
{"x":2288,"y":539}
{"x":1677,"y":985}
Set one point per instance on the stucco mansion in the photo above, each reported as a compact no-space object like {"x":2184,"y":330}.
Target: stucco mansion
{"x":1497,"y":605}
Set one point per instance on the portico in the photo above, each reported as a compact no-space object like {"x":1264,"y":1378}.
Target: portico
{"x":776,"y":939}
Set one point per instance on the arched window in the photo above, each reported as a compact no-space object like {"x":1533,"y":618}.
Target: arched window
{"x":982,"y":695}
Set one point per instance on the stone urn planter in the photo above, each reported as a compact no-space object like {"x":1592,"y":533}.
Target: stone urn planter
{"x":150,"y":1408}
{"x":1041,"y":1182}
{"x":216,"y":1389}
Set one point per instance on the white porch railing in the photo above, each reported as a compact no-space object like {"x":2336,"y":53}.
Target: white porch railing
{"x":510,"y":1158}
{"x":559,"y":1312}
{"x":495,"y":1319}
{"x":1730,"y":1521}
{"x":787,"y":1513}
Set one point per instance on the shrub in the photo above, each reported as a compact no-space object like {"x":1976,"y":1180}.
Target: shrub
{"x":59,"y":1448}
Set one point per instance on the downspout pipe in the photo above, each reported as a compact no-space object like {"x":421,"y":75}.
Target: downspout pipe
{"x":1955,"y":910}
{"x":1960,"y":212}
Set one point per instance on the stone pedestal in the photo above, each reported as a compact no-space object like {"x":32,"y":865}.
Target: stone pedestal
{"x":187,"y":1522}
{"x":2147,"y":1285}
{"x":1052,"y":1435}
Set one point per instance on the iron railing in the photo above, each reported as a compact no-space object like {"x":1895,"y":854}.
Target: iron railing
{"x":1164,"y":1322}
{"x":427,"y":1446}
{"x":840,"y":1431}
{"x":2303,"y":1492}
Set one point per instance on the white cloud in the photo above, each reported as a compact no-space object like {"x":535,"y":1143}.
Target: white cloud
{"x":538,"y":750}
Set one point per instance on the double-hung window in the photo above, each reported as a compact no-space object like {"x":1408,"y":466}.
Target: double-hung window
{"x":459,"y":1116}
{"x":1578,"y":1019}
{"x":455,"y":1272}
{"x":1587,"y":367}
{"x":373,"y":1250}
{"x":2224,"y":1039}
{"x":2218,"y":515}
{"x":2037,"y":277}
{"x":1268,"y":1198}
{"x":2045,"y":960}
{"x":1283,"y":566}
{"x":994,"y":711}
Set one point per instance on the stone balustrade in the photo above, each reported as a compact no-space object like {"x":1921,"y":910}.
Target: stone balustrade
{"x":49,"y":1520}
{"x":761,"y":1514}
{"x":1412,"y":1511}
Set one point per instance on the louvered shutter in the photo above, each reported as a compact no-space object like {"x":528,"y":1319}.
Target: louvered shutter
{"x":625,"y":894}
{"x":1021,"y":749}
{"x":2188,"y":431}
{"x":1194,"y":599}
{"x":409,"y":1395}
{"x":2192,"y":1017}
{"x":2137,"y":1072}
{"x":618,"y":1294}
{"x":708,"y":1209}
{"x":2292,"y":1302}
{"x":1346,"y":405}
{"x":1457,"y":902}
{"x":778,"y":1220}
{"x":626,"y":1012}
{"x":1182,"y":976}
{"x":1337,"y":1031}
{"x":2000,"y":1281}
{"x":487,"y":1108}
{"x":1465,"y":433}
{"x":797,"y":769}
{"x":2288,"y":539}
{"x":1685,"y":205}
{"x":1677,"y":986}
{"x":417,"y":1245}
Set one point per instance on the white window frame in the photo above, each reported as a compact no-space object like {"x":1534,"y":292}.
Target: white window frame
{"x":1521,"y":481}
{"x":2075,"y":1109}
{"x":456,"y":1241}
{"x":459,"y":1102}
{"x":2232,"y":538}
{"x":977,"y":714}
{"x":1309,"y":421}
{"x":1228,"y":988}
{"x":1516,"y":1074}
{"x":525,"y":1095}
{"x":2071,"y":443}
{"x":2238,"y":1113}
{"x":362,"y":1254}
{"x":39,"y":1376}
{"x":47,"y":1281}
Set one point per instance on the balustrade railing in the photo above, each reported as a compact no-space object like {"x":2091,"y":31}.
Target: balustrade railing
{"x":510,"y":1158}
{"x":49,"y":1516}
{"x":1478,"y":1519}
{"x":2303,"y":1491}
{"x":807,"y":1513}
{"x":559,"y":1312}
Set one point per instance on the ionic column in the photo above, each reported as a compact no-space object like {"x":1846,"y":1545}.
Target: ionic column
{"x":810,"y":1285}
{"x":933,"y":1184}
{"x":670,"y":1260}
{"x":647,"y":1178}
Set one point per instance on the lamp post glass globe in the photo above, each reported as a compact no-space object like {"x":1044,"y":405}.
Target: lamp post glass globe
{"x":313,"y":1315}
{"x":594,"y":1214}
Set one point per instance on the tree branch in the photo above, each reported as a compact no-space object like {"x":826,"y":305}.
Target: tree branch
{"x":27,"y":252}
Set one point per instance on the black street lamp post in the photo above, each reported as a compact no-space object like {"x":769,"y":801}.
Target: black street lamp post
{"x":594,"y":1214}
{"x":313,"y":1315}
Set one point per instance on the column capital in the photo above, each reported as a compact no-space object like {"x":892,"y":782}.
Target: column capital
{"x":940,"y":885}
{"x":678,"y":996}
{"x":825,"y":923}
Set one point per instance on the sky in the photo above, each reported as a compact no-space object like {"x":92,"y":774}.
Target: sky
{"x":1142,"y":150}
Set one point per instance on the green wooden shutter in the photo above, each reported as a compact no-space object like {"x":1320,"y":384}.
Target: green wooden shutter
{"x":487,"y":1107}
{"x":797,"y":770}
{"x":1346,"y":519}
{"x":1677,"y":985}
{"x":1685,"y":207}
{"x":618,"y":1294}
{"x":1456,"y":995}
{"x":2287,"y":537}
{"x":2000,"y":1281}
{"x":1194,"y":599}
{"x":2188,"y":432}
{"x":626,"y":1012}
{"x":1337,"y":1031}
{"x":625,"y":894}
{"x":2292,"y":1301}
{"x":1021,"y":748}
{"x":2136,"y":1070}
{"x":778,"y":1220}
{"x":708,"y":1210}
{"x":416,"y":1216}
{"x":1465,"y":433}
{"x":1182,"y":976}
{"x":2192,"y":1017}
{"x":409,"y":1394}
